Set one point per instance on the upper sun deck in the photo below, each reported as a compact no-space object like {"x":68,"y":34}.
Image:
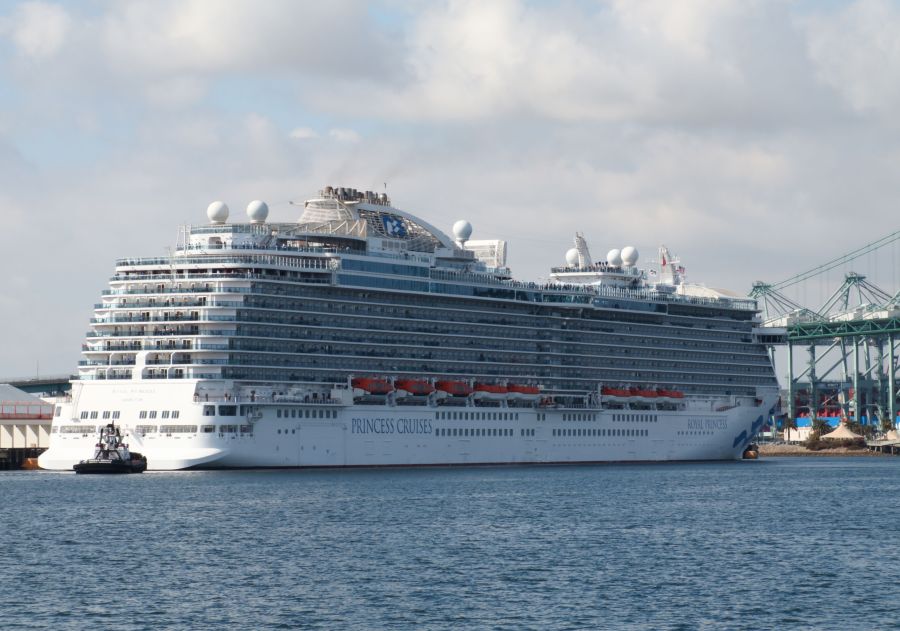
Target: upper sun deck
{"x":341,"y":225}
{"x":340,"y":217}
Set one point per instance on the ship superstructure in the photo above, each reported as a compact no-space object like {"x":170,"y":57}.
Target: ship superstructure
{"x":362,"y":335}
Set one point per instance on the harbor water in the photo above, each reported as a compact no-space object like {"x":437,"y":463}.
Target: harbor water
{"x":805,"y":543}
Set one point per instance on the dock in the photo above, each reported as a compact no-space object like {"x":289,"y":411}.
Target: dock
{"x":884,"y":446}
{"x":24,"y":427}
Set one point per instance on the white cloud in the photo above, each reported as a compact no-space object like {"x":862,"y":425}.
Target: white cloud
{"x":751,"y":139}
{"x":280,"y":36}
{"x":342,"y":134}
{"x":856,"y":51}
{"x":39,"y":29}
{"x":175,"y":92}
{"x":303,"y":133}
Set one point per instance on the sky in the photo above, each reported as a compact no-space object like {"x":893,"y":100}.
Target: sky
{"x":755,"y":139}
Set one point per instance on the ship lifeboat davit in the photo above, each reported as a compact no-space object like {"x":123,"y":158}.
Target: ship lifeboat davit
{"x":634,"y":395}
{"x":370,"y":385}
{"x":413,"y":387}
{"x":454,"y":388}
{"x":491,"y":391}
{"x":523,"y":392}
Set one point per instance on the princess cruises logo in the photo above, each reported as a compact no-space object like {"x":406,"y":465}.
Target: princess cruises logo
{"x":393,"y":226}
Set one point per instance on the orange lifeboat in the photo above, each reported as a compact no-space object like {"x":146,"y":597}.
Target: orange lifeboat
{"x":370,"y":385}
{"x":490,"y":391}
{"x":608,"y":391}
{"x":414,"y":387}
{"x":454,"y":388}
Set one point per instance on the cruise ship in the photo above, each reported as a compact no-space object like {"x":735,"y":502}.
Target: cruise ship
{"x":360,"y":335}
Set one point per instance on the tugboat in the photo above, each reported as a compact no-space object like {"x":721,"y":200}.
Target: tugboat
{"x":112,"y":455}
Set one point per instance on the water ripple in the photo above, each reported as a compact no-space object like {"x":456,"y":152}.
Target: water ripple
{"x":782,"y":543}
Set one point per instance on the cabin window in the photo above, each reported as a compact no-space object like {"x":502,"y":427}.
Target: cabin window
{"x":227,"y":410}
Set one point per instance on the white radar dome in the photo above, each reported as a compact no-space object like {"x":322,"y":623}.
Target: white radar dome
{"x":614,"y":257}
{"x":257,"y":210}
{"x":462,"y":230}
{"x":572,"y":257}
{"x":629,"y":256}
{"x":217,"y":212}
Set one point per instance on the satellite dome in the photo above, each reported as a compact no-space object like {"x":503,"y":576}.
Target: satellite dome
{"x":572,"y":257}
{"x":629,"y":256}
{"x":217,"y":212}
{"x":614,"y":257}
{"x":462,"y":230}
{"x":257,"y":211}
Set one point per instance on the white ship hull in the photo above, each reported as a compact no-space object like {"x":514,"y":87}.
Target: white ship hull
{"x":283,"y":434}
{"x":266,"y":344}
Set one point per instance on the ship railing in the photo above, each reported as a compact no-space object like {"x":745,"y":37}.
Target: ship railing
{"x":201,"y":276}
{"x":163,"y":373}
{"x":207,"y":289}
{"x":167,"y":304}
{"x":744,"y":304}
{"x":218,"y":249}
{"x":265,"y":259}
{"x":239,"y":259}
{"x":137,"y":346}
{"x":198,"y":318}
{"x":181,"y":363}
{"x":266,"y":400}
{"x":641,"y":294}
{"x":95,"y":362}
{"x":597,"y":267}
{"x":157,"y":333}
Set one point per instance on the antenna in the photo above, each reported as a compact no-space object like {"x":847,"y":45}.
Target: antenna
{"x":171,"y":261}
